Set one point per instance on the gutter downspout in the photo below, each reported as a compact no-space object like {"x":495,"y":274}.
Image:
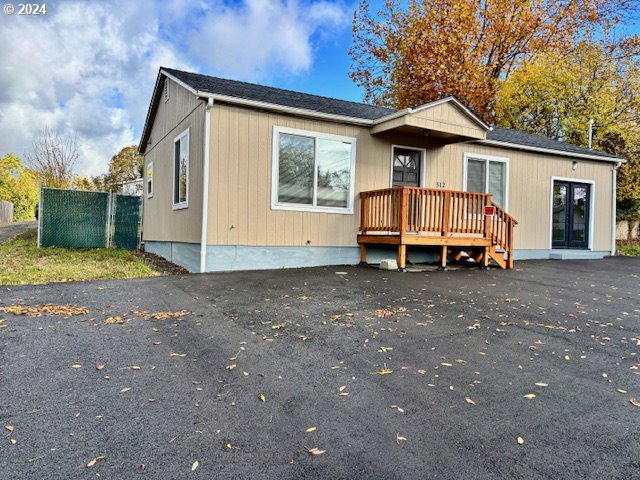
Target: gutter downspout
{"x":614,"y":187}
{"x":205,"y":186}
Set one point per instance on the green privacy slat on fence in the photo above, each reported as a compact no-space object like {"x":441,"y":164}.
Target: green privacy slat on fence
{"x":73,"y":218}
{"x":126,"y":219}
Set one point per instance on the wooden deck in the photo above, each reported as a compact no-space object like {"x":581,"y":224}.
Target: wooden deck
{"x":460,"y":223}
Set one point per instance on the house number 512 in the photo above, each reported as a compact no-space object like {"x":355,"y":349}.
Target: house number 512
{"x":440,"y":184}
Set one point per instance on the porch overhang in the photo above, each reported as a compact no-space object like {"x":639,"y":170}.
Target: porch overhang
{"x":447,"y":119}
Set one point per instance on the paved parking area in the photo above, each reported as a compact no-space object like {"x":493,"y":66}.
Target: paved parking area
{"x":394,"y":376}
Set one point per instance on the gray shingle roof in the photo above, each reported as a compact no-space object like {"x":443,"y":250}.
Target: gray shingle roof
{"x":518,"y":137}
{"x":334,"y":106}
{"x":278,"y":96}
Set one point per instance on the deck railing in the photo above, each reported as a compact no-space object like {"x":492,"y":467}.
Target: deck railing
{"x":444,"y":213}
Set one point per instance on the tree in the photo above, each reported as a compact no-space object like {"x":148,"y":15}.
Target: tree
{"x":405,"y":57}
{"x":54,"y":157}
{"x":125,"y":166}
{"x":557,"y":95}
{"x":80,"y":182}
{"x":18,"y":185}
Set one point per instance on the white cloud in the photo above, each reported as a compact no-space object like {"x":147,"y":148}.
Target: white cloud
{"x":88,"y":68}
{"x":263,"y":36}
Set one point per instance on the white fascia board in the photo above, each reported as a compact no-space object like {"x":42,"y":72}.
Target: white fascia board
{"x":281,"y":108}
{"x":550,"y":151}
{"x":179,"y":82}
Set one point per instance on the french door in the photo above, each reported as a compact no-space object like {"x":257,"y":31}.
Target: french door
{"x":571,"y":202}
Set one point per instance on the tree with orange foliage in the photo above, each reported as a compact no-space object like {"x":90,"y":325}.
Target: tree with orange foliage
{"x":408,"y":56}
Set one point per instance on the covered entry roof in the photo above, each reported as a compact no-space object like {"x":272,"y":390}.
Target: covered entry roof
{"x":447,"y":118}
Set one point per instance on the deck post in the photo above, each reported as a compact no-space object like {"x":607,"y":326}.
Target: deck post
{"x":402,"y":256}
{"x":446,"y":207}
{"x":443,"y":257}
{"x":487,"y":218}
{"x":363,"y":253}
{"x":511,"y":246}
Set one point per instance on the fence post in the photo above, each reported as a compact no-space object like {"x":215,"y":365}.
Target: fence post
{"x":39,"y":242}
{"x":487,"y":218}
{"x":107,"y":242}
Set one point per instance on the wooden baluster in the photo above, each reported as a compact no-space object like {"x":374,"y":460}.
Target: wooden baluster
{"x":446,"y":201}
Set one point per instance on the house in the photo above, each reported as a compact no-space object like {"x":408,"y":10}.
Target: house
{"x":242,"y":176}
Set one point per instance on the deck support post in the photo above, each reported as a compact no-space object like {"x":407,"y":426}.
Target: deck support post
{"x":485,"y":258}
{"x":402,"y":256}
{"x":363,"y":254}
{"x":443,"y":257}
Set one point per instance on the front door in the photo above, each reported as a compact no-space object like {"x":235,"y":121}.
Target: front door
{"x":571,"y":215}
{"x":406,"y":167}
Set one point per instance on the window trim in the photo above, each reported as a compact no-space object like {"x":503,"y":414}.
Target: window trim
{"x":275,"y":159}
{"x":146,"y":184}
{"x":185,"y":204}
{"x":487,"y":158}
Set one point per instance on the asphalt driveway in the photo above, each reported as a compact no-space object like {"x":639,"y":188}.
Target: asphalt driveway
{"x":394,"y":376}
{"x":10,"y":230}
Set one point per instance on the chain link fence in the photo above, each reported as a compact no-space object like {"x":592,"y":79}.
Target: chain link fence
{"x":83,"y":219}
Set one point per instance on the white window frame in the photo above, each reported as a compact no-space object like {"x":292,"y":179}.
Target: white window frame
{"x":276,"y":205}
{"x":185,"y":204}
{"x":146,"y":183}
{"x":487,"y":158}
{"x":592,"y":205}
{"x":423,"y":163}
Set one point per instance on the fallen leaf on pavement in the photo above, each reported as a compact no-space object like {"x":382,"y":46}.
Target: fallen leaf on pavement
{"x":315,"y":451}
{"x":115,"y":320}
{"x":400,"y":438}
{"x":383,"y":313}
{"x":99,"y":367}
{"x":195,"y":465}
{"x":634,"y":401}
{"x":174,"y":354}
{"x":621,"y":390}
{"x":529,"y":396}
{"x":126,"y":389}
{"x":46,"y":309}
{"x":76,"y":365}
{"x":95,"y":460}
{"x":277,"y":326}
{"x":310,"y":429}
{"x":9,"y":427}
{"x":540,"y":384}
{"x":384,"y":371}
{"x":384,"y":349}
{"x":262,"y":397}
{"x":13,"y":441}
{"x":469,"y":401}
{"x":520,"y":441}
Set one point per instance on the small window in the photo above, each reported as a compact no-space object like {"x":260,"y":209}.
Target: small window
{"x":165,"y":92}
{"x":181,"y":170}
{"x":487,"y":174}
{"x":150,"y":180}
{"x":313,"y":171}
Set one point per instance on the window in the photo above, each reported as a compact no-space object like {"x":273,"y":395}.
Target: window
{"x":181,"y":170}
{"x":150,"y":180}
{"x":487,"y":175}
{"x":312,"y":171}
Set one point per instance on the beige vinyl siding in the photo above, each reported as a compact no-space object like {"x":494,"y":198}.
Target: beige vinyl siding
{"x":161,"y":222}
{"x":240,"y":176}
{"x":240,"y":180}
{"x":530,"y":187}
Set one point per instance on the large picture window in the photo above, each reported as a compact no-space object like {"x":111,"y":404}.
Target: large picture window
{"x":487,"y":174}
{"x":313,"y":171}
{"x":181,"y":170}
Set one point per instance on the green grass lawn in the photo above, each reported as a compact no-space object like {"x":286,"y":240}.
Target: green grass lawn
{"x":22,"y":262}
{"x":630,"y":248}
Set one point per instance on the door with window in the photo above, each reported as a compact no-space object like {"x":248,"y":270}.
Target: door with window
{"x":571,"y":214}
{"x":406,"y":167}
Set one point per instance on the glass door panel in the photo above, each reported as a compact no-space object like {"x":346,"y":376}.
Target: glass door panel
{"x":560,"y":215}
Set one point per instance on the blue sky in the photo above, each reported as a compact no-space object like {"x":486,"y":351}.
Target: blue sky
{"x":88,"y":67}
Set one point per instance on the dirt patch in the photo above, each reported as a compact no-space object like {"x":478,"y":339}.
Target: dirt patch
{"x":160,"y":264}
